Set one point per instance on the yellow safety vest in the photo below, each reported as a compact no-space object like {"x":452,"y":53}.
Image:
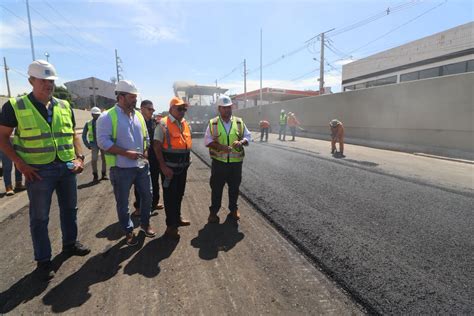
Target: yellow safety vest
{"x":35,"y":141}
{"x":283,"y":119}
{"x":111,"y":159}
{"x":219,"y":134}
{"x":90,"y":131}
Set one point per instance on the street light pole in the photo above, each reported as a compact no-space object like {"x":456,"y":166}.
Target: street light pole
{"x":31,"y":32}
{"x":47,"y":56}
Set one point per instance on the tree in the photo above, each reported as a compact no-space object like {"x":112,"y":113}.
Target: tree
{"x":62,"y":93}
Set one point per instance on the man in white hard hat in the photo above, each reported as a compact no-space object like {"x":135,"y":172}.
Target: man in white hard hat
{"x":89,"y":138}
{"x":225,"y":137}
{"x":48,"y":152}
{"x":122,"y":133}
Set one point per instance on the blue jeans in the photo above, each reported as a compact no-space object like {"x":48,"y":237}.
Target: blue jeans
{"x":122,"y":180}
{"x":55,"y":176}
{"x":7,"y":165}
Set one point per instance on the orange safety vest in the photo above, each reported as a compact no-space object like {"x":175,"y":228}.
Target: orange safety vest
{"x":292,"y":121}
{"x":176,"y":143}
{"x":264,"y":124}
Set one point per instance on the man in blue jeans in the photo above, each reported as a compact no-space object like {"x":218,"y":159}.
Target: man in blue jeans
{"x":7,"y":178}
{"x":122,"y":133}
{"x":47,"y":151}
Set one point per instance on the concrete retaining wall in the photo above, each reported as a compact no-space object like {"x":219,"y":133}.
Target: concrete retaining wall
{"x":433,"y":115}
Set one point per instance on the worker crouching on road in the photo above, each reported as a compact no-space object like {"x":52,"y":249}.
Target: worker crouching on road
{"x":89,"y":138}
{"x":225,"y":136}
{"x":122,"y":133}
{"x":48,"y":152}
{"x":337,"y":134}
{"x":264,"y":127}
{"x":172,"y":144}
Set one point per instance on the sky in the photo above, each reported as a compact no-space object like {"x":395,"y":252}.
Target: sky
{"x":160,"y":42}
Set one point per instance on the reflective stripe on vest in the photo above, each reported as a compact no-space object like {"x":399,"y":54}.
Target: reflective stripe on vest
{"x":90,"y":132}
{"x":219,"y":134}
{"x":282,"y":119}
{"x":175,"y":140}
{"x":35,"y":141}
{"x":111,"y":159}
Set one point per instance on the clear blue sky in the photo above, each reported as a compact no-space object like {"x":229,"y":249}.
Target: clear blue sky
{"x":161,"y":42}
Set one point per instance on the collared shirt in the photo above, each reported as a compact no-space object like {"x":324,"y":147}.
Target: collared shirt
{"x":159,"y":136}
{"x":208,"y":137}
{"x":129,"y":135}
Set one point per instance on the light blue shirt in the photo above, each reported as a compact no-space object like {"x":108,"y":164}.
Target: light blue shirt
{"x":129,"y":135}
{"x":208,"y":137}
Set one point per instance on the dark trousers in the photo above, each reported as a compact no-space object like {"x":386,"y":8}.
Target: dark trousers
{"x":282,"y":132}
{"x":155,"y":184}
{"x":293,"y":131}
{"x":173,"y":196}
{"x":222,"y":173}
{"x":264,"y":131}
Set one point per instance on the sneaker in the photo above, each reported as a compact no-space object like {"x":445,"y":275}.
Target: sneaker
{"x":76,"y":249}
{"x":131,"y":239}
{"x":148,"y":231}
{"x":235,"y":215}
{"x":20,"y":186}
{"x":44,"y":271}
{"x":213,"y":218}
{"x":9,"y":190}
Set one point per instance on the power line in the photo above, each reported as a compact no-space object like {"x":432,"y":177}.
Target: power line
{"x":232,"y":71}
{"x":305,"y":75}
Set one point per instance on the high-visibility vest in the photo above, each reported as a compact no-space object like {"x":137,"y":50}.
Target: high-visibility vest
{"x":264,"y":124}
{"x":111,"y":159}
{"x":90,"y":132}
{"x":220,"y":135}
{"x":282,"y":119}
{"x":177,"y":143}
{"x":35,"y":141}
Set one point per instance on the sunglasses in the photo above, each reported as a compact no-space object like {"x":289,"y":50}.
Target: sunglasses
{"x":181,"y":109}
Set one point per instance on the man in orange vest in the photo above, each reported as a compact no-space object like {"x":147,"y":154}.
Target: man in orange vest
{"x":293,"y":124}
{"x":337,"y":134}
{"x":172,"y":144}
{"x":264,"y":126}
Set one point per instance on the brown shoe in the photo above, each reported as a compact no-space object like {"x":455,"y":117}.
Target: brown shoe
{"x":172,"y":232}
{"x":213,"y":218}
{"x":183,"y":222}
{"x":136,"y":213}
{"x":131,"y":239}
{"x":235,"y":214}
{"x":148,"y":231}
{"x":9,"y":190}
{"x":157,"y":207}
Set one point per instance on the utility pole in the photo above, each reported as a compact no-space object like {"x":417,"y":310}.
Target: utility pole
{"x":261,"y":58}
{"x":6,"y":76}
{"x":321,"y":61}
{"x":31,"y":32}
{"x":118,"y":61}
{"x":245,"y":83}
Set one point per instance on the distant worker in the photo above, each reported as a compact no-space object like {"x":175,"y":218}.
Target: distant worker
{"x":293,"y":123}
{"x":337,"y":134}
{"x":225,"y":137}
{"x":89,"y":137}
{"x":122,"y":133}
{"x":147,"y":109}
{"x":7,"y":175}
{"x":172,"y":144}
{"x":48,"y":153}
{"x":283,"y":121}
{"x":264,"y":127}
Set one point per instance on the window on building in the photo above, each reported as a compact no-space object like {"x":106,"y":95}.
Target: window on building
{"x":456,"y":68}
{"x":430,"y":73}
{"x":349,"y":88}
{"x":360,"y":86}
{"x":410,"y":76}
{"x":384,"y":81}
{"x":470,"y":65}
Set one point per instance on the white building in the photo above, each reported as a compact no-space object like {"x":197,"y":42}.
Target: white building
{"x":91,"y":92}
{"x":445,"y":53}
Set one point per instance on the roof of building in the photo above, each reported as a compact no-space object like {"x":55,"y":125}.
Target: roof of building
{"x":275,"y":94}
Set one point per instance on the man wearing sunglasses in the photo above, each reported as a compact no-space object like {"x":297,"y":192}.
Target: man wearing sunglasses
{"x":225,"y":136}
{"x":172,"y":144}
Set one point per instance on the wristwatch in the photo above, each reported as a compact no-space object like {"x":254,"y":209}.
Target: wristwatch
{"x":82,"y":157}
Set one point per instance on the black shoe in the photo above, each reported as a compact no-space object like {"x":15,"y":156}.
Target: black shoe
{"x":76,"y":249}
{"x":44,"y":271}
{"x":96,"y":177}
{"x":104,"y":177}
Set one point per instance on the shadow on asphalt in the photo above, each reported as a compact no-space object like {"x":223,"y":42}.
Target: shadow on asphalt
{"x":213,"y":238}
{"x":147,"y":261}
{"x":75,"y":289}
{"x":27,"y":288}
{"x":87,"y":185}
{"x":111,"y":232}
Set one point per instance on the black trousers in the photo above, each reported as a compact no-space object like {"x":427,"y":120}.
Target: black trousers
{"x":155,"y":183}
{"x":293,"y":131}
{"x":173,"y":196}
{"x":222,"y":173}
{"x":264,"y":131}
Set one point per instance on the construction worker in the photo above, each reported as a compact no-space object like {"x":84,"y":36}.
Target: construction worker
{"x":337,"y":134}
{"x":172,"y":144}
{"x":122,"y":133}
{"x":89,"y":136}
{"x":283,"y":122}
{"x":7,"y":179}
{"x":225,"y":137}
{"x":264,"y":127}
{"x":293,"y":123}
{"x":48,"y":153}
{"x":146,"y":108}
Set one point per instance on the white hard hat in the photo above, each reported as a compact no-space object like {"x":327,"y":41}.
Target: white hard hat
{"x":126,"y":86}
{"x":41,"y":69}
{"x":334,"y":123}
{"x":95,"y":110}
{"x":282,"y":111}
{"x":224,"y":100}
